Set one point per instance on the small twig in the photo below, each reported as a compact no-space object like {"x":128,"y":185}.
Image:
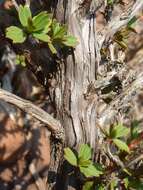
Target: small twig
{"x":140,"y":157}
{"x":52,"y":124}
{"x":112,"y":52}
{"x":114,"y":158}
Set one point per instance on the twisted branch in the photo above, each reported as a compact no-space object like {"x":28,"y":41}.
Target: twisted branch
{"x":52,"y":124}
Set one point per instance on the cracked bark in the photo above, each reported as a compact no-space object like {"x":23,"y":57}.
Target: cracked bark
{"x":76,"y":101}
{"x":76,"y":105}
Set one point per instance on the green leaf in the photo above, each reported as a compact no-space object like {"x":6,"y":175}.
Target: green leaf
{"x":24,"y":14}
{"x":121,"y":145}
{"x":58,"y":30}
{"x":110,"y":2}
{"x":88,"y":185}
{"x":99,"y":166}
{"x":16,"y":34}
{"x":30,"y":28}
{"x":20,"y":60}
{"x":113,"y":184}
{"x":42,"y":37}
{"x":40,"y":21}
{"x":84,"y":163}
{"x":17,"y":61}
{"x":119,"y":131}
{"x":90,"y":171}
{"x":52,"y":48}
{"x":47,"y":27}
{"x":84,"y":152}
{"x":126,"y":182}
{"x":70,"y":41}
{"x":70,"y":156}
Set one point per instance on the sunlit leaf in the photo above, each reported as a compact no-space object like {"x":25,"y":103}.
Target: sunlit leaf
{"x":121,"y":145}
{"x":70,"y":156}
{"x":113,"y":184}
{"x":15,"y":34}
{"x":110,"y":2}
{"x":90,"y":171}
{"x":58,"y":30}
{"x":70,"y":41}
{"x":84,"y":163}
{"x":126,"y":182}
{"x":42,"y":37}
{"x":84,"y":152}
{"x":40,"y":21}
{"x":47,"y":27}
{"x":119,"y":131}
{"x":24,"y":14}
{"x":20,"y":60}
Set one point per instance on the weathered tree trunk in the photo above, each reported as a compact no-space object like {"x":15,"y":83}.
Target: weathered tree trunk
{"x":75,"y":101}
{"x":75,"y":96}
{"x":75,"y":76}
{"x":87,"y":90}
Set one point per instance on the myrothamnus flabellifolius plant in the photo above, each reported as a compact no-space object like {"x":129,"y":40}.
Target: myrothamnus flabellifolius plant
{"x":91,"y":171}
{"x":83,"y":162}
{"x":42,"y":28}
{"x":116,"y":133}
{"x":20,"y":60}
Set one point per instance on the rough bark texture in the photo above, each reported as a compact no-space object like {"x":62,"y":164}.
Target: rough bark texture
{"x":84,"y":79}
{"x":88,"y":90}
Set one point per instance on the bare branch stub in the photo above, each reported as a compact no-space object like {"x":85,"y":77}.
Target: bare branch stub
{"x":53,"y":125}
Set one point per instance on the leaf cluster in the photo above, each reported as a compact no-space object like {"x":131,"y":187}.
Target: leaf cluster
{"x":99,"y":177}
{"x":42,"y":28}
{"x":116,"y":133}
{"x":83,"y":162}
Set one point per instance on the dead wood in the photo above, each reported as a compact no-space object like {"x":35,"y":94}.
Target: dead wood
{"x":52,"y":124}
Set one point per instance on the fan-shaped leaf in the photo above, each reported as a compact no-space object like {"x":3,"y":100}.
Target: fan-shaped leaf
{"x":119,"y":131}
{"x":70,"y":41}
{"x":90,"y":171}
{"x":16,"y":34}
{"x":121,"y":145}
{"x":58,"y":30}
{"x":40,"y":21}
{"x":24,"y":14}
{"x":70,"y":156}
{"x":42,"y":37}
{"x":84,"y":152}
